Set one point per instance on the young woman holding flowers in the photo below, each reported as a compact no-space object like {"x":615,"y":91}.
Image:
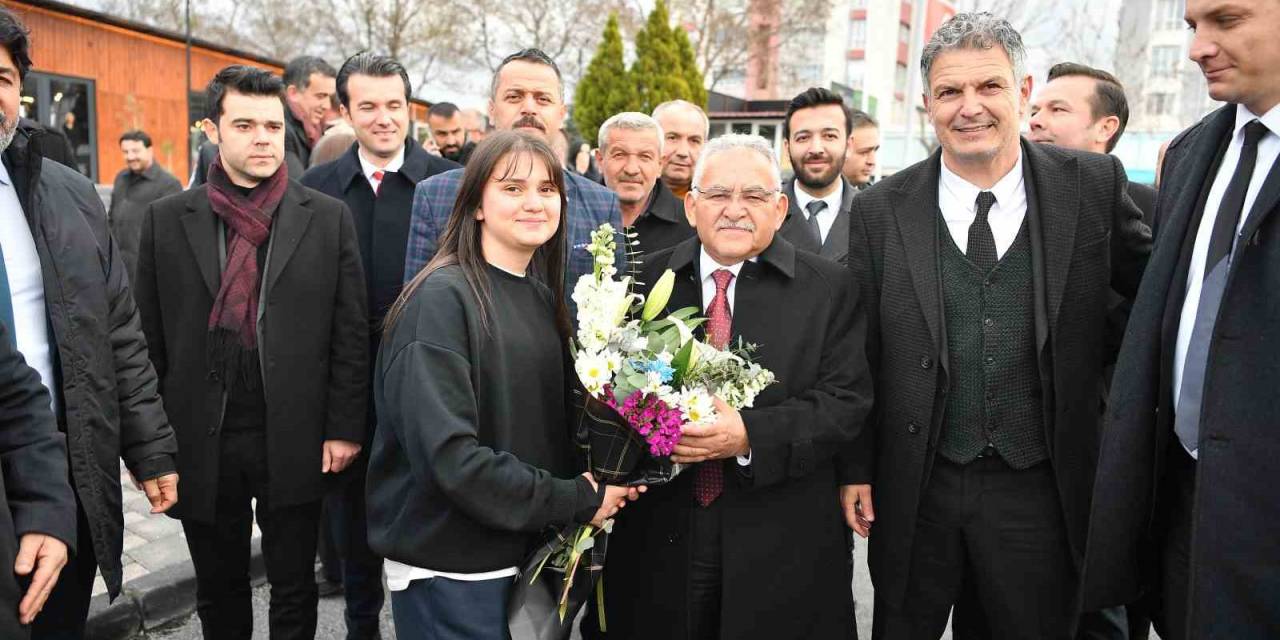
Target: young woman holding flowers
{"x":472,"y":456}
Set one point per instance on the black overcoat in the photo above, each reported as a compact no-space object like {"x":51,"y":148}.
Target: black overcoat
{"x":787,"y":561}
{"x":312,"y":330}
{"x":1087,"y":239}
{"x":1235,"y":550}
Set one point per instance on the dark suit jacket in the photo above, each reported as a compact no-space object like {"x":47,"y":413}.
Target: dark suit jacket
{"x":796,"y":227}
{"x":35,"y":493}
{"x":786,"y":561}
{"x":313,"y":338}
{"x":1087,"y":238}
{"x":1144,"y":196}
{"x":1235,"y":552}
{"x":663,"y":224}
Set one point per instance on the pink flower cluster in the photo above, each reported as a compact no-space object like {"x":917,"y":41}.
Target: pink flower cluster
{"x":655,"y":420}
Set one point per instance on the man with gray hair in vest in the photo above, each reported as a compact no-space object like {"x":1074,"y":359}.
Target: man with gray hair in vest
{"x":986,"y":271}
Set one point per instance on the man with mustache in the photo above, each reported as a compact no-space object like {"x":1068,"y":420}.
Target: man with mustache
{"x":630,"y":148}
{"x":140,"y":183}
{"x":746,"y":543}
{"x":449,"y":130}
{"x":816,"y":132}
{"x":527,"y":94}
{"x":986,"y":270}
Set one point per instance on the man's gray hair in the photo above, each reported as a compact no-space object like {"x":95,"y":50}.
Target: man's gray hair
{"x":629,"y":121}
{"x":734,"y":141}
{"x":675,"y":104}
{"x":981,"y":30}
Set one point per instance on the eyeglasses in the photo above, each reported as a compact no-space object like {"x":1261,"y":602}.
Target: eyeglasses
{"x":752,"y":197}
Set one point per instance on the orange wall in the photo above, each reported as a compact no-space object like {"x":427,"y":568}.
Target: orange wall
{"x":138,"y":81}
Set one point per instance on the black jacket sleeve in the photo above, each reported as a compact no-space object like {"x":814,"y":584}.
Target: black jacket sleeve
{"x":349,"y":345}
{"x":33,"y":453}
{"x":427,"y":389}
{"x":787,"y":439}
{"x":1130,"y":238}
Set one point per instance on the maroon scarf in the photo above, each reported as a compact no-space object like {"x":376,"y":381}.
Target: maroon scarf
{"x":233,"y":321}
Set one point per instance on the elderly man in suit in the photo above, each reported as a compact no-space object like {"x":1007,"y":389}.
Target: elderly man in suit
{"x":986,"y":270}
{"x":816,"y":129}
{"x":527,"y":94}
{"x":746,"y":544}
{"x":253,"y":302}
{"x":1186,"y":501}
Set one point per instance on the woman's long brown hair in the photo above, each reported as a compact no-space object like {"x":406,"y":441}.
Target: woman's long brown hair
{"x":460,"y":243}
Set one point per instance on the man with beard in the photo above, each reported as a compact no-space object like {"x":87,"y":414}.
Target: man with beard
{"x":630,"y":148}
{"x":527,"y":94}
{"x":864,"y":144}
{"x":64,"y":289}
{"x":449,"y":131}
{"x":309,"y":86}
{"x":816,"y":132}
{"x":140,"y":183}
{"x":685,"y":128}
{"x":375,"y":178}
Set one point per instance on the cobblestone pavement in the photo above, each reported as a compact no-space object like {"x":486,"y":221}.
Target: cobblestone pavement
{"x":151,"y":541}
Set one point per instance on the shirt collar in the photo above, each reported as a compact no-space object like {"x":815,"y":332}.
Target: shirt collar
{"x":833,"y":199}
{"x":707,"y":265}
{"x":368,"y":168}
{"x":1270,"y":119}
{"x":965,"y":193}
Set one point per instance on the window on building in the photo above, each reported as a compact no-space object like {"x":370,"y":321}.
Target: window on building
{"x":1169,"y":14}
{"x":858,"y":34}
{"x":1164,"y":61}
{"x":740,"y":127}
{"x":1160,"y":104}
{"x":65,"y":105}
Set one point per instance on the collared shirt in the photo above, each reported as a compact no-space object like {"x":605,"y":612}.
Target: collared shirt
{"x":958,"y":200}
{"x":368,"y":168}
{"x":826,"y":217}
{"x":26,"y":284}
{"x":1268,"y":150}
{"x":707,"y":266}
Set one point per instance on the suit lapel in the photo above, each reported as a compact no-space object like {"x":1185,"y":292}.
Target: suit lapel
{"x":292,"y":218}
{"x":1264,"y":204}
{"x":918,"y":219}
{"x":202,"y":234}
{"x":795,"y":228}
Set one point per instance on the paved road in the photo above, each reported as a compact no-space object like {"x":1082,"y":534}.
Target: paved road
{"x":331,"y":626}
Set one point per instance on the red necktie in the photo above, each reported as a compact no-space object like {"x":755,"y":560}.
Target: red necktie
{"x":708,"y":482}
{"x":377,"y":181}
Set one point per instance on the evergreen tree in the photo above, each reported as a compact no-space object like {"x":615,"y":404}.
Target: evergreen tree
{"x":689,"y":68}
{"x":658,"y":73}
{"x":606,"y":88}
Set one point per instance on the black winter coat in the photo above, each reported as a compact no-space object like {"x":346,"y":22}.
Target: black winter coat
{"x":110,"y":403}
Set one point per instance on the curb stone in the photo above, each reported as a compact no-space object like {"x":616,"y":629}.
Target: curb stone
{"x":155,"y":600}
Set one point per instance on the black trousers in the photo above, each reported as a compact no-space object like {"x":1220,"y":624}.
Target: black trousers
{"x":345,"y":515}
{"x":448,"y":609}
{"x":706,"y":570}
{"x":995,"y":535}
{"x":220,"y":550}
{"x":1170,"y":609}
{"x":67,"y":609}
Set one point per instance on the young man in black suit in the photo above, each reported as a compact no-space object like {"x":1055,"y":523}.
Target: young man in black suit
{"x":375,"y":178}
{"x":986,"y":270}
{"x":253,"y":302}
{"x":1186,"y":501}
{"x":816,"y":129}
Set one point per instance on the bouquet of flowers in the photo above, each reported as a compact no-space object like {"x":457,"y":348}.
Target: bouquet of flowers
{"x":643,"y":378}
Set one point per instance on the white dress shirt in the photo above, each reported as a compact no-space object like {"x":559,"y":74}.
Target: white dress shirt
{"x":707,"y":266}
{"x":26,"y":285}
{"x":826,"y":217}
{"x":958,"y":200}
{"x":1268,"y":150}
{"x":368,"y":168}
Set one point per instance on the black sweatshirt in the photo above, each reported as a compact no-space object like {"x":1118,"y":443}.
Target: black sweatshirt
{"x":472,"y":456}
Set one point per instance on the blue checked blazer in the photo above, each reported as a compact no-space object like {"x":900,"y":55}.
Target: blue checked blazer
{"x":590,"y":205}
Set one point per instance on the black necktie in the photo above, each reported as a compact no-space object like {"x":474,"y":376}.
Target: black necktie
{"x":814,"y":208}
{"x":1216,"y":265}
{"x":982,"y":243}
